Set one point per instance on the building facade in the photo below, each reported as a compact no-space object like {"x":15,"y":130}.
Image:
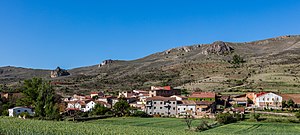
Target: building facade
{"x":164,"y":106}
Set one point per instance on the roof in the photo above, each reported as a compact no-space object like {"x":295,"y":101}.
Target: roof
{"x":260,"y":94}
{"x":294,"y":97}
{"x":161,"y":88}
{"x":203,"y":95}
{"x":102,"y":103}
{"x":160,"y":98}
{"x":188,"y":102}
{"x":239,"y":109}
{"x":204,"y":102}
{"x":20,"y":107}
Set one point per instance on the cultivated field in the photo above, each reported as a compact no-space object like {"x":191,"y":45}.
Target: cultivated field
{"x":135,"y":126}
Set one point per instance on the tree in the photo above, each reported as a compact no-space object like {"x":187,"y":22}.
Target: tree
{"x":237,"y":60}
{"x":122,"y":108}
{"x":290,"y":103}
{"x":225,"y":118}
{"x":40,"y":95}
{"x":99,"y":110}
{"x":188,"y":120}
{"x":284,"y":104}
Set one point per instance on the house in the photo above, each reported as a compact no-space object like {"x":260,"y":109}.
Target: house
{"x":11,"y":96}
{"x":185,"y":107}
{"x":268,"y":100}
{"x":239,"y":100}
{"x":204,"y":108}
{"x":203,"y":96}
{"x":294,"y":97}
{"x":106,"y":99}
{"x":163,"y":106}
{"x":166,"y":91}
{"x":18,"y":110}
{"x":80,"y":104}
{"x":179,"y":98}
{"x":91,"y":104}
{"x":78,"y":97}
{"x":97,"y":94}
{"x":126,"y":94}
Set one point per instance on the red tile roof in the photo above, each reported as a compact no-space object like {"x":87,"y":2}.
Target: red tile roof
{"x":260,"y":94}
{"x":203,"y":95}
{"x":294,"y":97}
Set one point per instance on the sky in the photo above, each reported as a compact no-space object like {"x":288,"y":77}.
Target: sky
{"x":44,"y":34}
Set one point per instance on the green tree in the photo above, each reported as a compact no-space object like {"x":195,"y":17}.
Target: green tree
{"x":237,"y":60}
{"x":39,"y":94}
{"x":100,"y":110}
{"x":284,"y":104}
{"x":225,"y":118}
{"x":122,"y":108}
{"x":290,"y":103}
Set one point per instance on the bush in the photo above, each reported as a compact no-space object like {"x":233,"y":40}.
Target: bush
{"x":255,"y":116}
{"x":297,"y":115}
{"x":203,"y":126}
{"x":140,"y":114}
{"x":225,"y":118}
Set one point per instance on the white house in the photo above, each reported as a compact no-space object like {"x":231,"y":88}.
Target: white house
{"x":268,"y":100}
{"x":185,"y":107}
{"x":17,"y":110}
{"x":90,"y":105}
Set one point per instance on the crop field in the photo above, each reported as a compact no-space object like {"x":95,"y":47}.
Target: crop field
{"x":256,"y":128}
{"x":136,"y":126}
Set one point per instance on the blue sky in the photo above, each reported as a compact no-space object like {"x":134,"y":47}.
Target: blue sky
{"x":73,"y":33}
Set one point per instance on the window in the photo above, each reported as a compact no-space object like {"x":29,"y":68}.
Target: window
{"x":150,"y":112}
{"x":154,"y":102}
{"x":25,"y":111}
{"x":161,"y":103}
{"x":18,"y":111}
{"x":173,"y":102}
{"x":154,"y":107}
{"x":267,"y":99}
{"x":178,"y":108}
{"x":183,"y":108}
{"x":160,"y":108}
{"x":191,"y":109}
{"x":173,"y":108}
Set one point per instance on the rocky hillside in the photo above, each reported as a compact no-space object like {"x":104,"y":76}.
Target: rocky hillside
{"x":271,"y":64}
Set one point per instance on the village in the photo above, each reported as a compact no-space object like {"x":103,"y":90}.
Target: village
{"x":168,"y":102}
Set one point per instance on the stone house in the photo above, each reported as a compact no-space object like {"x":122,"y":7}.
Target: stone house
{"x":166,"y":91}
{"x":185,"y":107}
{"x":163,"y":106}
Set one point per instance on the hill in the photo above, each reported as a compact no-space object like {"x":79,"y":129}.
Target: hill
{"x":270,"y":65}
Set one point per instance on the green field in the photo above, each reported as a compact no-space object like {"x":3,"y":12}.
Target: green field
{"x":135,"y":126}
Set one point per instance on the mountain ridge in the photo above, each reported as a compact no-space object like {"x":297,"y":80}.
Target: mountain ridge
{"x":186,"y":67}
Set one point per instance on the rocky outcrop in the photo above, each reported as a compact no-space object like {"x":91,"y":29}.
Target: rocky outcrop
{"x":59,"y":72}
{"x":219,"y":48}
{"x":106,"y":62}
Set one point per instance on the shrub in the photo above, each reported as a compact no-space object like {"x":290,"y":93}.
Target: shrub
{"x":297,"y":115}
{"x":140,"y":114}
{"x":225,"y":118}
{"x":255,"y":116}
{"x":203,"y":126}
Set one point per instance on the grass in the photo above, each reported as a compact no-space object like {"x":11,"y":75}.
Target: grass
{"x":256,"y":128}
{"x":165,"y":123}
{"x":136,"y":126}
